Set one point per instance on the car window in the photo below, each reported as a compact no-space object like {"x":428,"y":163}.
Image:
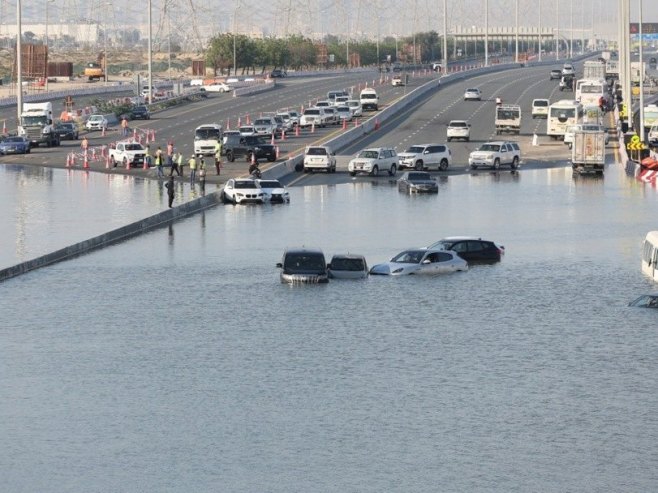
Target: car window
{"x":474,"y":246}
{"x":369,"y":154}
{"x":316,"y":151}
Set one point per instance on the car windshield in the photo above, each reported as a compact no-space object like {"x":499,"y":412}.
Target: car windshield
{"x":312,"y":112}
{"x":349,"y":264}
{"x":368,"y":96}
{"x":471,"y":90}
{"x":409,"y":257}
{"x":244,"y":184}
{"x":246,"y":129}
{"x":316,"y":151}
{"x":257,"y":140}
{"x":140,"y":108}
{"x":270,"y":184}
{"x":457,"y":124}
{"x":13,"y":139}
{"x":343,"y":109}
{"x":508,"y":114}
{"x":419,"y":177}
{"x":648,"y":301}
{"x":415,"y":149}
{"x":263,"y":122}
{"x":134,"y":147}
{"x":207,"y":134}
{"x":369,"y":154}
{"x":540,"y":102}
{"x":490,"y":147}
{"x":307,"y":262}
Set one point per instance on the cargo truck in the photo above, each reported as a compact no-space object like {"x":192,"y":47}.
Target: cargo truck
{"x":37,"y":124}
{"x":612,"y":69}
{"x":594,"y":70}
{"x":588,"y":152}
{"x":508,"y":119}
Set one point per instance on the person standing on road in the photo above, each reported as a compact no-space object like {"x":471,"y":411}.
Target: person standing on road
{"x":172,"y":160}
{"x":147,"y":156}
{"x":124,"y":127}
{"x":218,"y":156}
{"x":158,"y":162}
{"x":170,"y":191}
{"x":192,"y":164}
{"x":84,"y":145}
{"x":179,"y":161}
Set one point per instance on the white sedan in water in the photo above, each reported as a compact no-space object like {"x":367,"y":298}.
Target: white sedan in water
{"x":273,"y":191}
{"x":421,"y":261}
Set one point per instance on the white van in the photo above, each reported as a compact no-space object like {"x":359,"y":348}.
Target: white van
{"x":650,"y":255}
{"x":562,"y":114}
{"x":369,"y":99}
{"x":540,"y":108}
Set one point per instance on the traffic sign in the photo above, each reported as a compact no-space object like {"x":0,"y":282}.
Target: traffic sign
{"x":647,"y":28}
{"x":635,"y":144}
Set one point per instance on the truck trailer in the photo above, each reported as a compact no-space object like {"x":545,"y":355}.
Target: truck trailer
{"x":588,"y":152}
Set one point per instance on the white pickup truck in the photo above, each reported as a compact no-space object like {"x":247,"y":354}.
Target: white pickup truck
{"x":132,"y":153}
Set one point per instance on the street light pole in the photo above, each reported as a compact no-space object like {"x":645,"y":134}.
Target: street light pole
{"x":516,"y":32}
{"x":641,"y":129}
{"x":557,"y":32}
{"x":486,"y":33}
{"x":540,"y":30}
{"x":571,"y":43}
{"x":150,"y":54}
{"x":445,"y":36}
{"x":19,"y":63}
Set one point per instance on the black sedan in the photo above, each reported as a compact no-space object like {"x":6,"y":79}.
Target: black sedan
{"x":66,"y":131}
{"x":15,"y":145}
{"x":417,"y":182}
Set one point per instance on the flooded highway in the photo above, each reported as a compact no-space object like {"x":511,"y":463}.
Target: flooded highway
{"x":177,"y":361}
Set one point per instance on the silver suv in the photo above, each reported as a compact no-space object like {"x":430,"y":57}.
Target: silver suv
{"x":422,"y":156}
{"x":496,"y":154}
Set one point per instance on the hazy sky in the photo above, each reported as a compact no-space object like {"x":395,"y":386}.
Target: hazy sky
{"x":309,"y":17}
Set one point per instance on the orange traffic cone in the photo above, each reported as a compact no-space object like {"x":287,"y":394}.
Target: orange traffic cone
{"x":4,"y":127}
{"x":356,"y":122}
{"x":377,"y":124}
{"x":253,"y":158}
{"x":239,"y":122}
{"x":296,"y":130}
{"x":68,"y":160}
{"x":283,"y":135}
{"x":107,"y":162}
{"x":272,"y":138}
{"x":248,"y":120}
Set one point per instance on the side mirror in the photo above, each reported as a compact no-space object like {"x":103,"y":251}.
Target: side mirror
{"x":329,"y":266}
{"x":279,"y":265}
{"x":426,"y":261}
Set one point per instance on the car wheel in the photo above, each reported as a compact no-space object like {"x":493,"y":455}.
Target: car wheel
{"x":375,"y":170}
{"x":393,"y":170}
{"x":352,"y":173}
{"x":419,"y":165}
{"x":28,"y":150}
{"x":443,"y":165}
{"x":222,"y":198}
{"x":113,"y":161}
{"x":515,"y":162}
{"x":496,"y":163}
{"x":271,"y":159}
{"x":467,"y":139}
{"x":306,"y":170}
{"x":473,"y":166}
{"x":230,"y":156}
{"x":449,"y":139}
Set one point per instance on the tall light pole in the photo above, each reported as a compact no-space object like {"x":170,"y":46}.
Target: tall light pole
{"x":571,"y":43}
{"x":582,"y":27}
{"x":540,"y":30}
{"x":46,"y":42}
{"x":445,"y":36}
{"x":19,"y":63}
{"x":557,"y":32}
{"x":486,"y":33}
{"x":641,"y":129}
{"x":516,"y":32}
{"x":150,"y":54}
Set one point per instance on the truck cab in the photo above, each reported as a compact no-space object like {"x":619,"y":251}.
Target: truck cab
{"x":508,"y":119}
{"x":37,"y":124}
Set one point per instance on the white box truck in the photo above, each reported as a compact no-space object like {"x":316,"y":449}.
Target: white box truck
{"x":37,"y":124}
{"x":588,"y":151}
{"x":508,"y":119}
{"x":594,"y":70}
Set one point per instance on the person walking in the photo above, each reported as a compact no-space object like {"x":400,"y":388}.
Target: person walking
{"x":158,"y":162}
{"x":180,"y":163}
{"x":170,"y":191}
{"x":84,"y":145}
{"x":172,"y":160}
{"x":202,"y":178}
{"x":192,"y":164}
{"x":124,"y":127}
{"x":218,"y":156}
{"x":147,"y":156}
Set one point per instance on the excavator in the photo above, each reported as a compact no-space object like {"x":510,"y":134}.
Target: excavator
{"x":94,"y":70}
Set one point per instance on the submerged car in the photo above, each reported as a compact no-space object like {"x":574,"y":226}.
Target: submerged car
{"x":421,"y":261}
{"x":242,"y":190}
{"x":348,"y":267}
{"x":273,"y":191}
{"x":471,"y":249}
{"x":417,"y":182}
{"x":15,"y":145}
{"x":303,"y":265}
{"x":646,"y":301}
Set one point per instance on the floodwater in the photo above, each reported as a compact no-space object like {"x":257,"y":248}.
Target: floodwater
{"x":177,"y":361}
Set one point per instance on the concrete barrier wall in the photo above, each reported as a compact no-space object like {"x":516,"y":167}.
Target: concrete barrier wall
{"x":120,"y":234}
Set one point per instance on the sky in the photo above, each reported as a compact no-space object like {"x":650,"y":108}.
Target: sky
{"x":358,"y":18}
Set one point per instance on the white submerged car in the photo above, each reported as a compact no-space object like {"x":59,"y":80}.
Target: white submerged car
{"x":421,"y":261}
{"x":242,"y":190}
{"x":273,"y":191}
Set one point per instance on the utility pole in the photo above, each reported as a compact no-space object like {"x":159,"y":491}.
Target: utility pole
{"x":540,"y":45}
{"x":19,"y":63}
{"x":150,"y":54}
{"x":557,"y":32}
{"x":445,"y":36}
{"x":641,"y":129}
{"x":516,"y":32}
{"x":486,"y":33}
{"x":571,"y":29}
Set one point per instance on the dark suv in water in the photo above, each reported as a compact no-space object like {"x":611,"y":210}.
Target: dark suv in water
{"x":473,"y":250}
{"x":245,"y":146}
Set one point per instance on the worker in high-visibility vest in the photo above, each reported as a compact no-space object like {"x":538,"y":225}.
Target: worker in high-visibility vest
{"x":218,"y":156}
{"x":192,"y":164}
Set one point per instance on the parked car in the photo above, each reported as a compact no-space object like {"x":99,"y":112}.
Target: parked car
{"x":421,"y":261}
{"x":556,"y":73}
{"x":303,"y":265}
{"x":278,"y":73}
{"x":140,"y":112}
{"x":496,"y":154}
{"x":273,"y":191}
{"x":417,"y":182}
{"x":347,"y":266}
{"x":472,"y":94}
{"x":17,"y":144}
{"x":645,"y":301}
{"x":374,"y":160}
{"x":96,"y":122}
{"x":242,"y":190}
{"x":423,"y":156}
{"x":319,"y":158}
{"x":471,"y":249}
{"x":66,"y":130}
{"x":458,"y":129}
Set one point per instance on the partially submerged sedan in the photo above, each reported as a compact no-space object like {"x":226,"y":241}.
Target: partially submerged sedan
{"x":417,"y":182}
{"x":646,"y":301}
{"x":421,"y":261}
